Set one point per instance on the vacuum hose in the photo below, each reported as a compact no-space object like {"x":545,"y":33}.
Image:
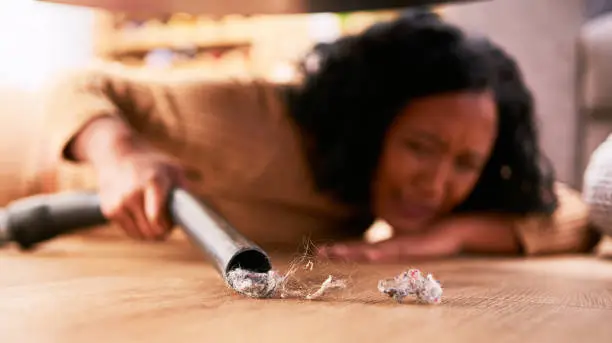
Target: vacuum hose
{"x":36,"y":219}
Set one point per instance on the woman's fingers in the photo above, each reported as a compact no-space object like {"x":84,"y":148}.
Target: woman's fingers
{"x":156,"y":206}
{"x":134,"y":192}
{"x":396,"y":249}
{"x":136,"y":209}
{"x":128,"y":225}
{"x":362,"y":251}
{"x":128,"y":212}
{"x":115,"y":210}
{"x":142,"y":214}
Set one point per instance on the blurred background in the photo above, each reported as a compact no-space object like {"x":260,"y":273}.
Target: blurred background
{"x":39,"y":40}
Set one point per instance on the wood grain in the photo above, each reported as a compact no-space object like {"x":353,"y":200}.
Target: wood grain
{"x":97,"y":289}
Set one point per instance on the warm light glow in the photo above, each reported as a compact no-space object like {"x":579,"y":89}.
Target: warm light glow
{"x":378,"y":232}
{"x":37,"y":40}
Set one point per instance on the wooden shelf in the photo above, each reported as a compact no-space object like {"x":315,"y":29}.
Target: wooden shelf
{"x":141,"y":49}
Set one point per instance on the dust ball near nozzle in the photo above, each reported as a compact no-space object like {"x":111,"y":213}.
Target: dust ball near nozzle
{"x":254,"y":284}
{"x":267,"y":283}
{"x":250,"y":273}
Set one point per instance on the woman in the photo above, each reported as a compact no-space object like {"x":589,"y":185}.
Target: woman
{"x":411,"y":124}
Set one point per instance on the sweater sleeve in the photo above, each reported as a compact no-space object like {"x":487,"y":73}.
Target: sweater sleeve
{"x":566,"y":231}
{"x":79,"y":97}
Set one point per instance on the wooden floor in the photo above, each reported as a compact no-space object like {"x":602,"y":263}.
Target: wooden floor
{"x":106,"y":290}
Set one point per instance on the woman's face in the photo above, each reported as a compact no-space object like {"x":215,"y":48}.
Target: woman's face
{"x":432,"y":157}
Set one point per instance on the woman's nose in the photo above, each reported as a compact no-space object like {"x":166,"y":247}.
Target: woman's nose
{"x":432,"y":182}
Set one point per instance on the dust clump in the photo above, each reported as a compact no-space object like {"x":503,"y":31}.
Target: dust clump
{"x":426,"y":289}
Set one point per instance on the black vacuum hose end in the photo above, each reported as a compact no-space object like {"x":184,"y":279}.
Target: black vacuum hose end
{"x":36,"y":219}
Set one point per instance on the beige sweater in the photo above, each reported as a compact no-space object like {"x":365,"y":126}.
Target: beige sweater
{"x":236,"y":138}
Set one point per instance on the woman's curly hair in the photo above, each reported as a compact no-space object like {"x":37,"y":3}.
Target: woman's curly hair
{"x":354,"y":88}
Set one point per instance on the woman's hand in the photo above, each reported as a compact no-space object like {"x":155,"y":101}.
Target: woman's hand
{"x":134,"y":192}
{"x":478,"y":234}
{"x":436,"y":242}
{"x":134,"y":178}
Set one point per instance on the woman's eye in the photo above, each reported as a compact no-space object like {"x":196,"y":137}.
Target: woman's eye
{"x":417,"y":147}
{"x":467,"y":165}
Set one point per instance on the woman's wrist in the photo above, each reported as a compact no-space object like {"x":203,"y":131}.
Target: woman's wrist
{"x":106,"y":140}
{"x":487,"y":234}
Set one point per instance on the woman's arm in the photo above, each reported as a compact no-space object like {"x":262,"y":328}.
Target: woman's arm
{"x":139,"y":131}
{"x":483,"y":234}
{"x":80,"y":98}
{"x":451,"y":236}
{"x":566,"y":231}
{"x":103,"y":140}
{"x":95,"y":117}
